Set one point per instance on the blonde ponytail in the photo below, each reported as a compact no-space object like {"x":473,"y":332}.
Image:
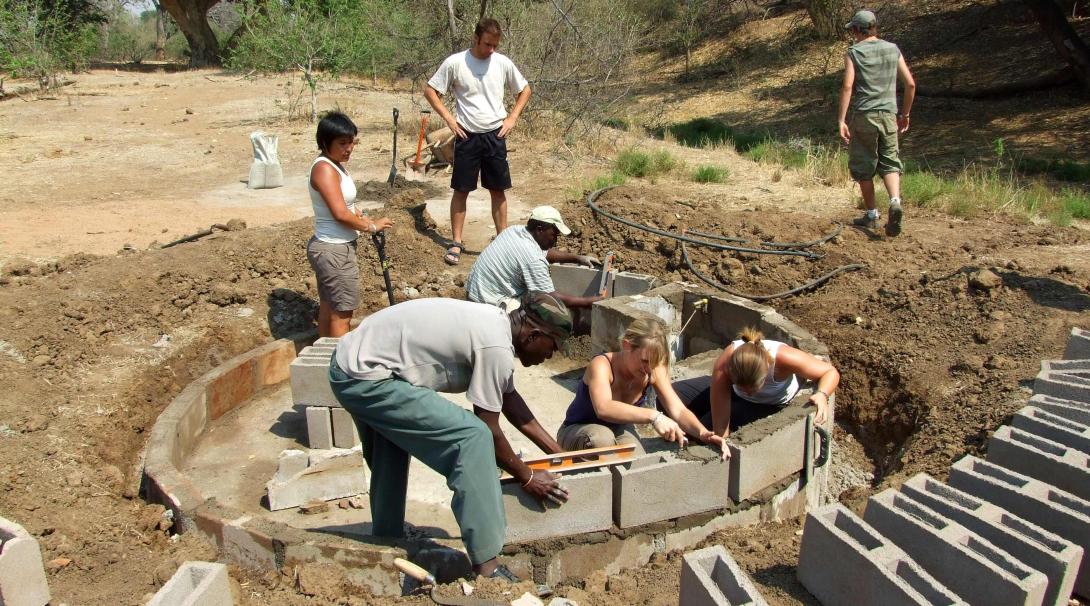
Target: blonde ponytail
{"x":750,"y":361}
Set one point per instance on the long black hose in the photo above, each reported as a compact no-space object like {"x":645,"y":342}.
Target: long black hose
{"x":683,"y":238}
{"x":760,"y":298}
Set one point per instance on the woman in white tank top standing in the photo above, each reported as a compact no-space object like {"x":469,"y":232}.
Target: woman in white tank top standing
{"x":337,"y":223}
{"x":754,"y":378}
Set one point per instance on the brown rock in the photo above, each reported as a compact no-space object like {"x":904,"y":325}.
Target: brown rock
{"x":984,"y":279}
{"x":595,"y":582}
{"x":314,"y":507}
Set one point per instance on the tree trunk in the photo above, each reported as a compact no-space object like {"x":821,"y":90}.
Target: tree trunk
{"x":1064,"y":38}
{"x":484,"y":7}
{"x":828,"y":16}
{"x":453,"y":27}
{"x":192,"y":19}
{"x":160,"y":31}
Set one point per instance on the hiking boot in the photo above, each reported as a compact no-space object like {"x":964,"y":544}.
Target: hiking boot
{"x":893,"y":224}
{"x":866,"y":221}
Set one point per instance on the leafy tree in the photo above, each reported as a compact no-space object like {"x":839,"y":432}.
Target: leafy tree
{"x":41,"y":38}
{"x":318,"y":38}
{"x":191,"y":16}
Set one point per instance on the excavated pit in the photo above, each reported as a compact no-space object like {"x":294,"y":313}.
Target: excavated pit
{"x":214,"y":448}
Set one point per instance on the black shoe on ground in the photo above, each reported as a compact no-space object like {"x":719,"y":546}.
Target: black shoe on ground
{"x":893,"y":224}
{"x":866,"y":221}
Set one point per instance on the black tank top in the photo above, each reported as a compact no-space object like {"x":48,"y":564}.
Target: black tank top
{"x":581,"y":409}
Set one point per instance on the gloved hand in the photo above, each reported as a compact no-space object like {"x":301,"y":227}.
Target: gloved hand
{"x":669,"y":430}
{"x":588,"y":260}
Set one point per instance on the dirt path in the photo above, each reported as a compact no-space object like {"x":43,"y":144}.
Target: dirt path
{"x":92,"y":347}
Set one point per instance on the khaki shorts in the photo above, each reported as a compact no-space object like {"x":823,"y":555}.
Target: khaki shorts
{"x":337,"y":272}
{"x":874,"y":145}
{"x":583,"y":436}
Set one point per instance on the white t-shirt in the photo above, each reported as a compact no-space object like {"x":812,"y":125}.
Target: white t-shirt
{"x":478,"y":86}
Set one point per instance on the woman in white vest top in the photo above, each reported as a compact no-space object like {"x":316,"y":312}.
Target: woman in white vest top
{"x":753,"y":378}
{"x":337,"y":223}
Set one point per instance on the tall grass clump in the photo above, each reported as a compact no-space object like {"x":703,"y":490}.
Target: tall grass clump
{"x":641,"y":164}
{"x":706,"y":132}
{"x":706,"y":173}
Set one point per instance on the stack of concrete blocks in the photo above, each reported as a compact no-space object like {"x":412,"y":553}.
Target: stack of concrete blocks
{"x":319,"y":476}
{"x":580,"y":281}
{"x":22,"y":576}
{"x":710,"y":577}
{"x":1009,"y":530}
{"x":844,"y":561}
{"x":328,"y":424}
{"x":196,"y":584}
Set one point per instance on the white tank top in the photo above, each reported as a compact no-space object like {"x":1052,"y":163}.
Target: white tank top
{"x":326,"y":228}
{"x":773,"y":392}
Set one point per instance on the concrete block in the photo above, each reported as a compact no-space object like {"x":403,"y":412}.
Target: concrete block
{"x":589,"y":508}
{"x":973,"y":568}
{"x":1078,"y":345}
{"x":1040,"y":458}
{"x":767,"y":451}
{"x":310,"y":382}
{"x":696,"y":478}
{"x":22,"y":576}
{"x":345,"y":434}
{"x":628,"y":283}
{"x":327,"y":341}
{"x":710,"y":577}
{"x":1053,"y":427}
{"x":328,"y":476}
{"x":1068,"y":409}
{"x":196,"y":584}
{"x":845,"y":562}
{"x":319,"y":427}
{"x":579,"y":281}
{"x":1032,"y":545}
{"x":1062,"y":384}
{"x":1056,"y":511}
{"x":318,"y":351}
{"x":290,"y":463}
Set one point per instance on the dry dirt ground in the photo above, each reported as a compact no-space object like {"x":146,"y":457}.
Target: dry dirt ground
{"x":94,"y":342}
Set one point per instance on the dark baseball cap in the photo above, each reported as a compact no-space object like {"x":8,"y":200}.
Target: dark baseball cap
{"x":862,"y":21}
{"x":549,"y":314}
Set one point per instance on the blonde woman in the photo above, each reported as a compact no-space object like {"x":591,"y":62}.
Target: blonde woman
{"x":609,"y":401}
{"x":753,"y":378}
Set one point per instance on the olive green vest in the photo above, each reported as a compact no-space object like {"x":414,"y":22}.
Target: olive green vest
{"x":875,"y":86}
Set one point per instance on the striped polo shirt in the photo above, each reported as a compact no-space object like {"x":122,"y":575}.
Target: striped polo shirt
{"x":509,"y":267}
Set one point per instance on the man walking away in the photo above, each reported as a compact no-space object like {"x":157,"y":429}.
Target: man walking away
{"x":871,"y":69}
{"x":478,"y":77}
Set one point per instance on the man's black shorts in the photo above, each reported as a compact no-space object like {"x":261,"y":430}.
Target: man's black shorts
{"x":484,"y":154}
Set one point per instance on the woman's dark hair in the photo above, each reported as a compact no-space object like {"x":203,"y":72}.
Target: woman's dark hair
{"x":333,"y":126}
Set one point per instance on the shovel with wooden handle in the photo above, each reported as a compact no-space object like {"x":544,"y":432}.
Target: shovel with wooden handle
{"x":425,"y":578}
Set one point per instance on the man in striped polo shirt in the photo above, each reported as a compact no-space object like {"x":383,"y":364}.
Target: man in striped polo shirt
{"x":871,"y":69}
{"x":517,"y":261}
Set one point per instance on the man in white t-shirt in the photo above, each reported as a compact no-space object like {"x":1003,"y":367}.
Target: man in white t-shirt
{"x":478,"y":77}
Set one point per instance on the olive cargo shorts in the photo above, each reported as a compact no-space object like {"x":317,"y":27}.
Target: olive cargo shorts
{"x":873,"y":148}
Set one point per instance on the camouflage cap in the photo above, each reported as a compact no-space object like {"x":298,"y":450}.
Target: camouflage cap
{"x":549,"y":314}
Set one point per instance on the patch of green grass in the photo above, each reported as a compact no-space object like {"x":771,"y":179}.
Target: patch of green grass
{"x":706,"y":173}
{"x":640,"y":164}
{"x":1060,"y":168}
{"x":706,"y":132}
{"x":924,"y":189}
{"x":778,"y":152}
{"x":613,"y":178}
{"x":1076,"y":203}
{"x":618,"y":123}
